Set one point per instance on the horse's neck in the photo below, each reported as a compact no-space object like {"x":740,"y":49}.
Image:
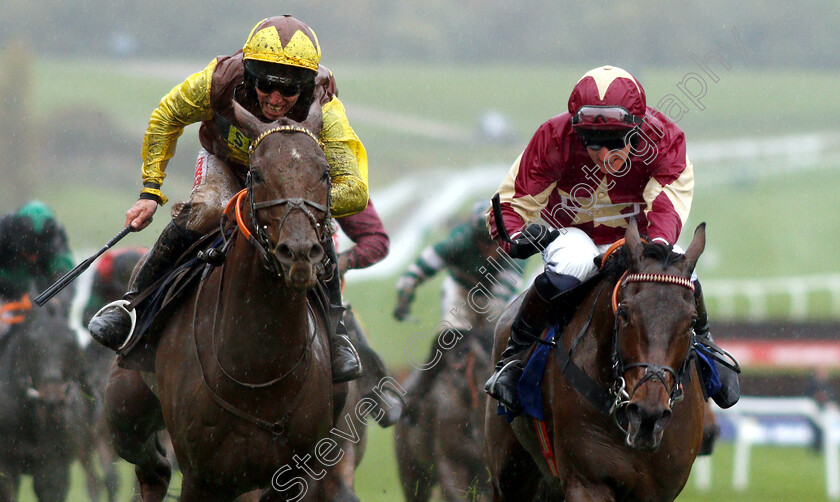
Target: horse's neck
{"x":256,"y":307}
{"x":594,"y":352}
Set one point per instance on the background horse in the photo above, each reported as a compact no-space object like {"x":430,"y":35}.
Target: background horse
{"x":444,"y":445}
{"x":242,"y":377}
{"x":45,"y":412}
{"x":628,"y":440}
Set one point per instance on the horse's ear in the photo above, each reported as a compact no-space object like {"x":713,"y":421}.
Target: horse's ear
{"x":246,"y":121}
{"x":315,"y":120}
{"x":633,"y":243}
{"x":698,"y":244}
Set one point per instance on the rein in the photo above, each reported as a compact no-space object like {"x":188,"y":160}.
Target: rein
{"x":278,"y":427}
{"x":261,"y":240}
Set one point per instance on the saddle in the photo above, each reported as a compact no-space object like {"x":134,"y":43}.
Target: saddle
{"x":157,"y":303}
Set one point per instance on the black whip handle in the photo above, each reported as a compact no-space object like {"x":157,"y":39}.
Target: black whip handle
{"x":500,"y":222}
{"x":71,"y":276}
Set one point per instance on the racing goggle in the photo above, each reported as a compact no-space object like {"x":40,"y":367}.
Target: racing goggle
{"x":604,"y":117}
{"x":267,"y":83}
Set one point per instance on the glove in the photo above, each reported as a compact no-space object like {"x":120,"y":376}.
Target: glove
{"x":532,"y":240}
{"x":404,"y":299}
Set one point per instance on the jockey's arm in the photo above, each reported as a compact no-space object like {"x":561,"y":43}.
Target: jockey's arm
{"x":347,"y":159}
{"x":186,"y":103}
{"x":668,"y":195}
{"x":371,"y":240}
{"x":525,"y":190}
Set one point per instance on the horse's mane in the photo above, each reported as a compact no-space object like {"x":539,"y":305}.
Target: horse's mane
{"x":618,"y":262}
{"x":662,"y":252}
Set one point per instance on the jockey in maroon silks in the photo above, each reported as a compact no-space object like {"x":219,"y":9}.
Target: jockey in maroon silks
{"x":586,"y":172}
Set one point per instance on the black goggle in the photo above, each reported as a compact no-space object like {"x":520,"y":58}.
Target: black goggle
{"x":596,"y":143}
{"x":267,"y":85}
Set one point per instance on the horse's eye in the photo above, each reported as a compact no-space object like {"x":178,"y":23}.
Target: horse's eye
{"x":621,"y":312}
{"x":325,"y":177}
{"x":694,"y":321}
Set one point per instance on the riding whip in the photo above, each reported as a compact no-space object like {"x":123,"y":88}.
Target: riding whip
{"x":71,"y":276}
{"x":500,"y":222}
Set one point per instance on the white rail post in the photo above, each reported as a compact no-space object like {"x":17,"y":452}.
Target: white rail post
{"x":702,"y":473}
{"x":830,"y":421}
{"x":747,"y":430}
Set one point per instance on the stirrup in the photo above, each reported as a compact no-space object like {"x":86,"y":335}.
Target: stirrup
{"x":491,"y":386}
{"x":132,"y":314}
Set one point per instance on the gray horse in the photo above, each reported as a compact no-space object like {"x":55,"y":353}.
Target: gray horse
{"x":45,"y":412}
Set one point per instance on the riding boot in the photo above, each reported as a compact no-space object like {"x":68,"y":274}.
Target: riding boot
{"x":542,"y":304}
{"x":730,"y":389}
{"x":113,"y":324}
{"x":346,"y":364}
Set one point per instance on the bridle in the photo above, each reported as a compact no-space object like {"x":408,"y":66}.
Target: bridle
{"x":259,"y":238}
{"x":653,"y":371}
{"x":616,"y":397}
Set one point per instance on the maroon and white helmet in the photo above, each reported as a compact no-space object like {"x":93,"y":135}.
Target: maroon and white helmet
{"x":607,"y":98}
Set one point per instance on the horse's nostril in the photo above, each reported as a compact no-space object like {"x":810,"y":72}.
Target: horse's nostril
{"x":316,"y":253}
{"x":284,"y":253}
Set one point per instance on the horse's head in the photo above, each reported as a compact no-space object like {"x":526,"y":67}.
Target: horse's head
{"x":655,"y":315}
{"x":46,"y":368}
{"x":288,"y":194}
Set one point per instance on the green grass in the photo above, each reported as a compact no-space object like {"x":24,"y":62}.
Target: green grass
{"x":777,"y":474}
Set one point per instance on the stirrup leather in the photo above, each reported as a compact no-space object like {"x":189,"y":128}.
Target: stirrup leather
{"x":132,"y":314}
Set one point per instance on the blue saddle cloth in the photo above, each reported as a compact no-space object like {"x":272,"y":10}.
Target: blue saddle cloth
{"x":530,"y":383}
{"x":708,"y":370}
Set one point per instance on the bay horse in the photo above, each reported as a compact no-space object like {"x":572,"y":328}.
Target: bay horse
{"x":443,"y":447}
{"x":622,"y":398}
{"x":242,"y":374}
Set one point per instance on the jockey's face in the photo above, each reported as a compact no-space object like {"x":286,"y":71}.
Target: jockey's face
{"x":275,"y":105}
{"x":609,"y":161}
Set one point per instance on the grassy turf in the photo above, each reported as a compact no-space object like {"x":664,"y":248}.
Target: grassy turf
{"x":777,"y":474}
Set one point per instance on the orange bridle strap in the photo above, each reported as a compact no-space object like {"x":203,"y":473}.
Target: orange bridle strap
{"x":235,"y":204}
{"x":15,"y":312}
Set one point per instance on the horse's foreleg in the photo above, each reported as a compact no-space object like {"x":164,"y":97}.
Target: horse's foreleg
{"x":338,"y":483}
{"x":52,"y":482}
{"x":455,"y":478}
{"x":514,"y":475}
{"x":133,"y":416}
{"x":85,"y":458}
{"x":576,"y":492}
{"x":416,"y":479}
{"x":107,"y":461}
{"x":9,"y":483}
